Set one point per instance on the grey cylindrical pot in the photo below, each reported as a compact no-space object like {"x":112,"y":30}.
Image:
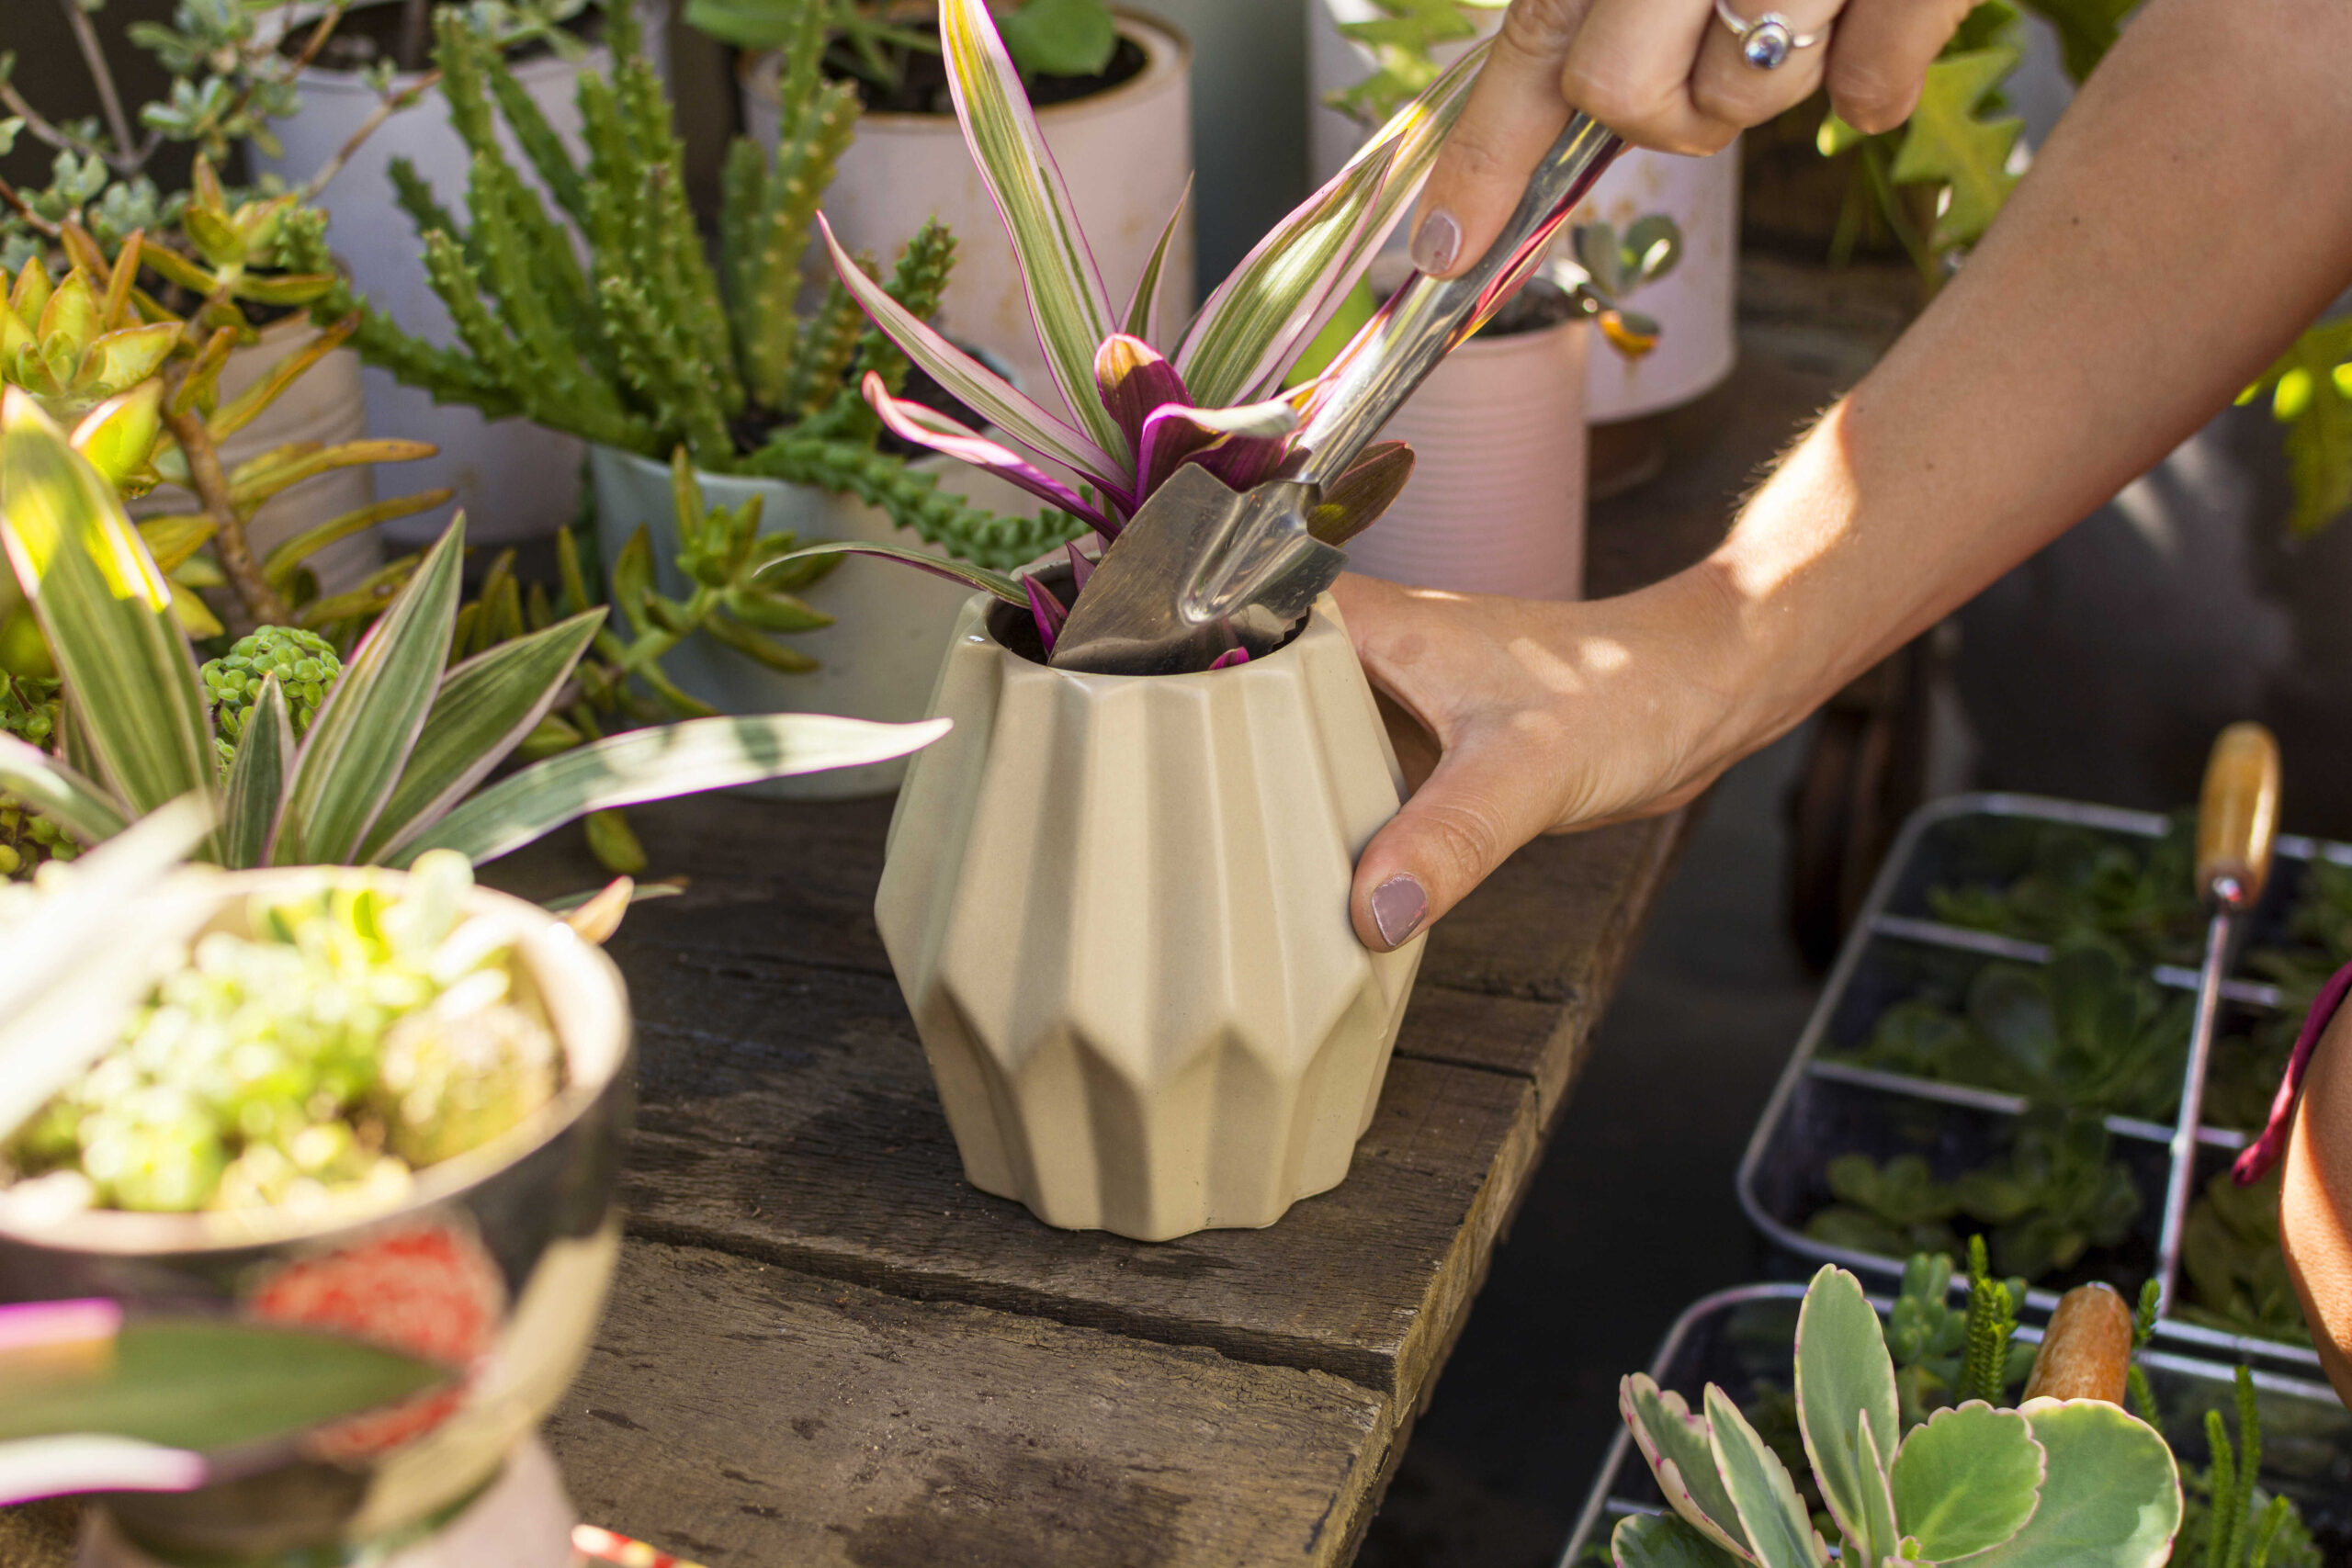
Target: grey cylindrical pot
{"x":498,"y":1262}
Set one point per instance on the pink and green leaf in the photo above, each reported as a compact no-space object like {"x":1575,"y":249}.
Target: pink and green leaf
{"x":1143,"y":310}
{"x":1066,"y":295}
{"x":927,"y":427}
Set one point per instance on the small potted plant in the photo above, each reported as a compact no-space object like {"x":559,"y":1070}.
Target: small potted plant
{"x":1112,"y":90}
{"x":1118,"y":905}
{"x":651,"y":350}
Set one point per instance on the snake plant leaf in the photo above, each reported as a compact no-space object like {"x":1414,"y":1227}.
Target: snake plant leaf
{"x":1142,"y":319}
{"x":58,"y":793}
{"x":69,"y":973}
{"x":2110,"y":1498}
{"x":103,"y":608}
{"x":245,"y":1392}
{"x":1674,"y":1441}
{"x":483,"y":709}
{"x":1267,"y":309}
{"x":1066,"y":295}
{"x":654,"y":764}
{"x":974,"y":385}
{"x":1880,"y":1535}
{"x":357,"y":746}
{"x":258,"y":772}
{"x":910,"y":420}
{"x":997,"y":583}
{"x":1967,"y":1480}
{"x":1780,"y":1531}
{"x":1842,"y":1366}
{"x":1948,"y":144}
{"x":1664,"y":1540}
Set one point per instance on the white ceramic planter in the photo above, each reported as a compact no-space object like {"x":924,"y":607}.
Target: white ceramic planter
{"x":1125,"y":155}
{"x":325,"y":406}
{"x":1118,"y":908}
{"x":516,"y":480}
{"x":1496,"y":501}
{"x":891,"y":621}
{"x":1696,"y":303}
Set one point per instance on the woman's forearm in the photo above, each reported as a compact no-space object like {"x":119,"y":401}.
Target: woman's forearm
{"x":2186,"y":219}
{"x":2315,"y":1201}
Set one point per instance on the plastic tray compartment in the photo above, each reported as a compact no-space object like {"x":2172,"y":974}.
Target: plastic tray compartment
{"x":1744,"y":1336}
{"x":1825,"y":1107}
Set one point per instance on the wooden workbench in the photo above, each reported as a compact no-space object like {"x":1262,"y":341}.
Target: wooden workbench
{"x":823,"y":1348}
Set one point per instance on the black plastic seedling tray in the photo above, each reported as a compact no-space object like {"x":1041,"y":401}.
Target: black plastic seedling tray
{"x":1825,"y":1107}
{"x":1745,"y":1336}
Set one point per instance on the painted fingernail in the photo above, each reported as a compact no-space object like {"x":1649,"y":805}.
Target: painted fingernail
{"x":1435,"y":242}
{"x":1398,"y":908}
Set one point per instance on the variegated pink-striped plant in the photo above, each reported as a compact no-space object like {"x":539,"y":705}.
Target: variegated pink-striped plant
{"x":1140,"y":411}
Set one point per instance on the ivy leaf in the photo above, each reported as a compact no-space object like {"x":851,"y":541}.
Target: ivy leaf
{"x":2311,"y":394}
{"x":1948,"y":145}
{"x":2087,"y":28}
{"x":1060,"y":38}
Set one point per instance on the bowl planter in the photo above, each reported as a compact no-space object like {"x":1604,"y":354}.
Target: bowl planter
{"x":516,"y":480}
{"x":1125,"y":153}
{"x":1496,"y":504}
{"x":329,"y":410}
{"x":1118,"y":908}
{"x":879,"y":658}
{"x":498,"y":1261}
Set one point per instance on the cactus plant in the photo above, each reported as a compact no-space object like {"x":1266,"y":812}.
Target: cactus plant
{"x":651,"y":347}
{"x":2073,"y":1481}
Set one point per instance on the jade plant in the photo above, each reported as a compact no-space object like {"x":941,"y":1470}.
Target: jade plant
{"x":2076,"y":1481}
{"x":1214,"y":396}
{"x":394,"y":754}
{"x":872,"y":39}
{"x":651,"y":347}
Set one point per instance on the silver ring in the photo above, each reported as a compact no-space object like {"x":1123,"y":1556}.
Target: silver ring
{"x":1767,"y":42}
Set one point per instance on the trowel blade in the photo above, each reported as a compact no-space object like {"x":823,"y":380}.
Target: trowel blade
{"x":1200,"y":570}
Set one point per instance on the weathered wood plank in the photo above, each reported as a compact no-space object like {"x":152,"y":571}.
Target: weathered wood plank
{"x":786,"y":1113}
{"x":748,"y":1414}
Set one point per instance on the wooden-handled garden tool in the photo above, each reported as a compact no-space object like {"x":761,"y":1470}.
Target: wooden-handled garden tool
{"x":2237,"y":821}
{"x":1202,"y":567}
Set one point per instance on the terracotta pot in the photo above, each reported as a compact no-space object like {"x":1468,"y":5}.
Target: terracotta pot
{"x":1496,"y":504}
{"x":325,"y":406}
{"x":1118,"y":908}
{"x":498,"y":1261}
{"x":516,"y":480}
{"x":1696,"y":303}
{"x":1125,"y":154}
{"x":891,"y":622}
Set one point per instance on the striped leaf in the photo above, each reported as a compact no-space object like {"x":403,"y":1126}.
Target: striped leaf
{"x":105,"y":610}
{"x":1260,"y":318}
{"x":1066,"y":295}
{"x":1005,"y":588}
{"x":257,"y":775}
{"x":655,"y":764}
{"x":910,"y":420}
{"x":1143,"y":311}
{"x":484,"y":708}
{"x":1006,"y":408}
{"x":58,"y":793}
{"x":361,"y":738}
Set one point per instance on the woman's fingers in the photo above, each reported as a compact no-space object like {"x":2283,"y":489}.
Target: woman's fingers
{"x":1879,"y":56}
{"x":1726,"y":89}
{"x":1514,"y":115}
{"x":1473,"y":811}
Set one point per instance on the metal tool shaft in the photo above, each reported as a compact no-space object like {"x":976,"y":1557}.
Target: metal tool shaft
{"x":2181,"y":1186}
{"x":1428,"y":317}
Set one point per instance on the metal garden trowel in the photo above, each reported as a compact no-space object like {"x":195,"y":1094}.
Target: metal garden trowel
{"x":1202,"y":569}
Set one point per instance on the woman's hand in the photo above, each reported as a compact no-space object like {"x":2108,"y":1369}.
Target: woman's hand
{"x":1518,"y":717}
{"x":1663,"y":74}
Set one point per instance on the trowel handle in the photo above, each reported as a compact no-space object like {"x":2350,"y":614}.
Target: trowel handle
{"x":1426,"y":318}
{"x":2237,"y":816}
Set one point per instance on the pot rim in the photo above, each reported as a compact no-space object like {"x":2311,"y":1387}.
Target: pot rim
{"x":316,"y":78}
{"x":1168,"y":50}
{"x":587,"y":1007}
{"x":1316,"y":624}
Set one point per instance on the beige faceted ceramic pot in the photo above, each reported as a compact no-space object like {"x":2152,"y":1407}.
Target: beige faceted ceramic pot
{"x":1118,"y":908}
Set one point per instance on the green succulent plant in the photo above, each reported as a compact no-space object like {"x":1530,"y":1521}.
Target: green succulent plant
{"x":304,"y":663}
{"x":29,"y":712}
{"x":2073,"y":1481}
{"x":870,"y":40}
{"x":393,"y":759}
{"x":2237,"y":1275}
{"x":651,"y":347}
{"x":2080,"y":882}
